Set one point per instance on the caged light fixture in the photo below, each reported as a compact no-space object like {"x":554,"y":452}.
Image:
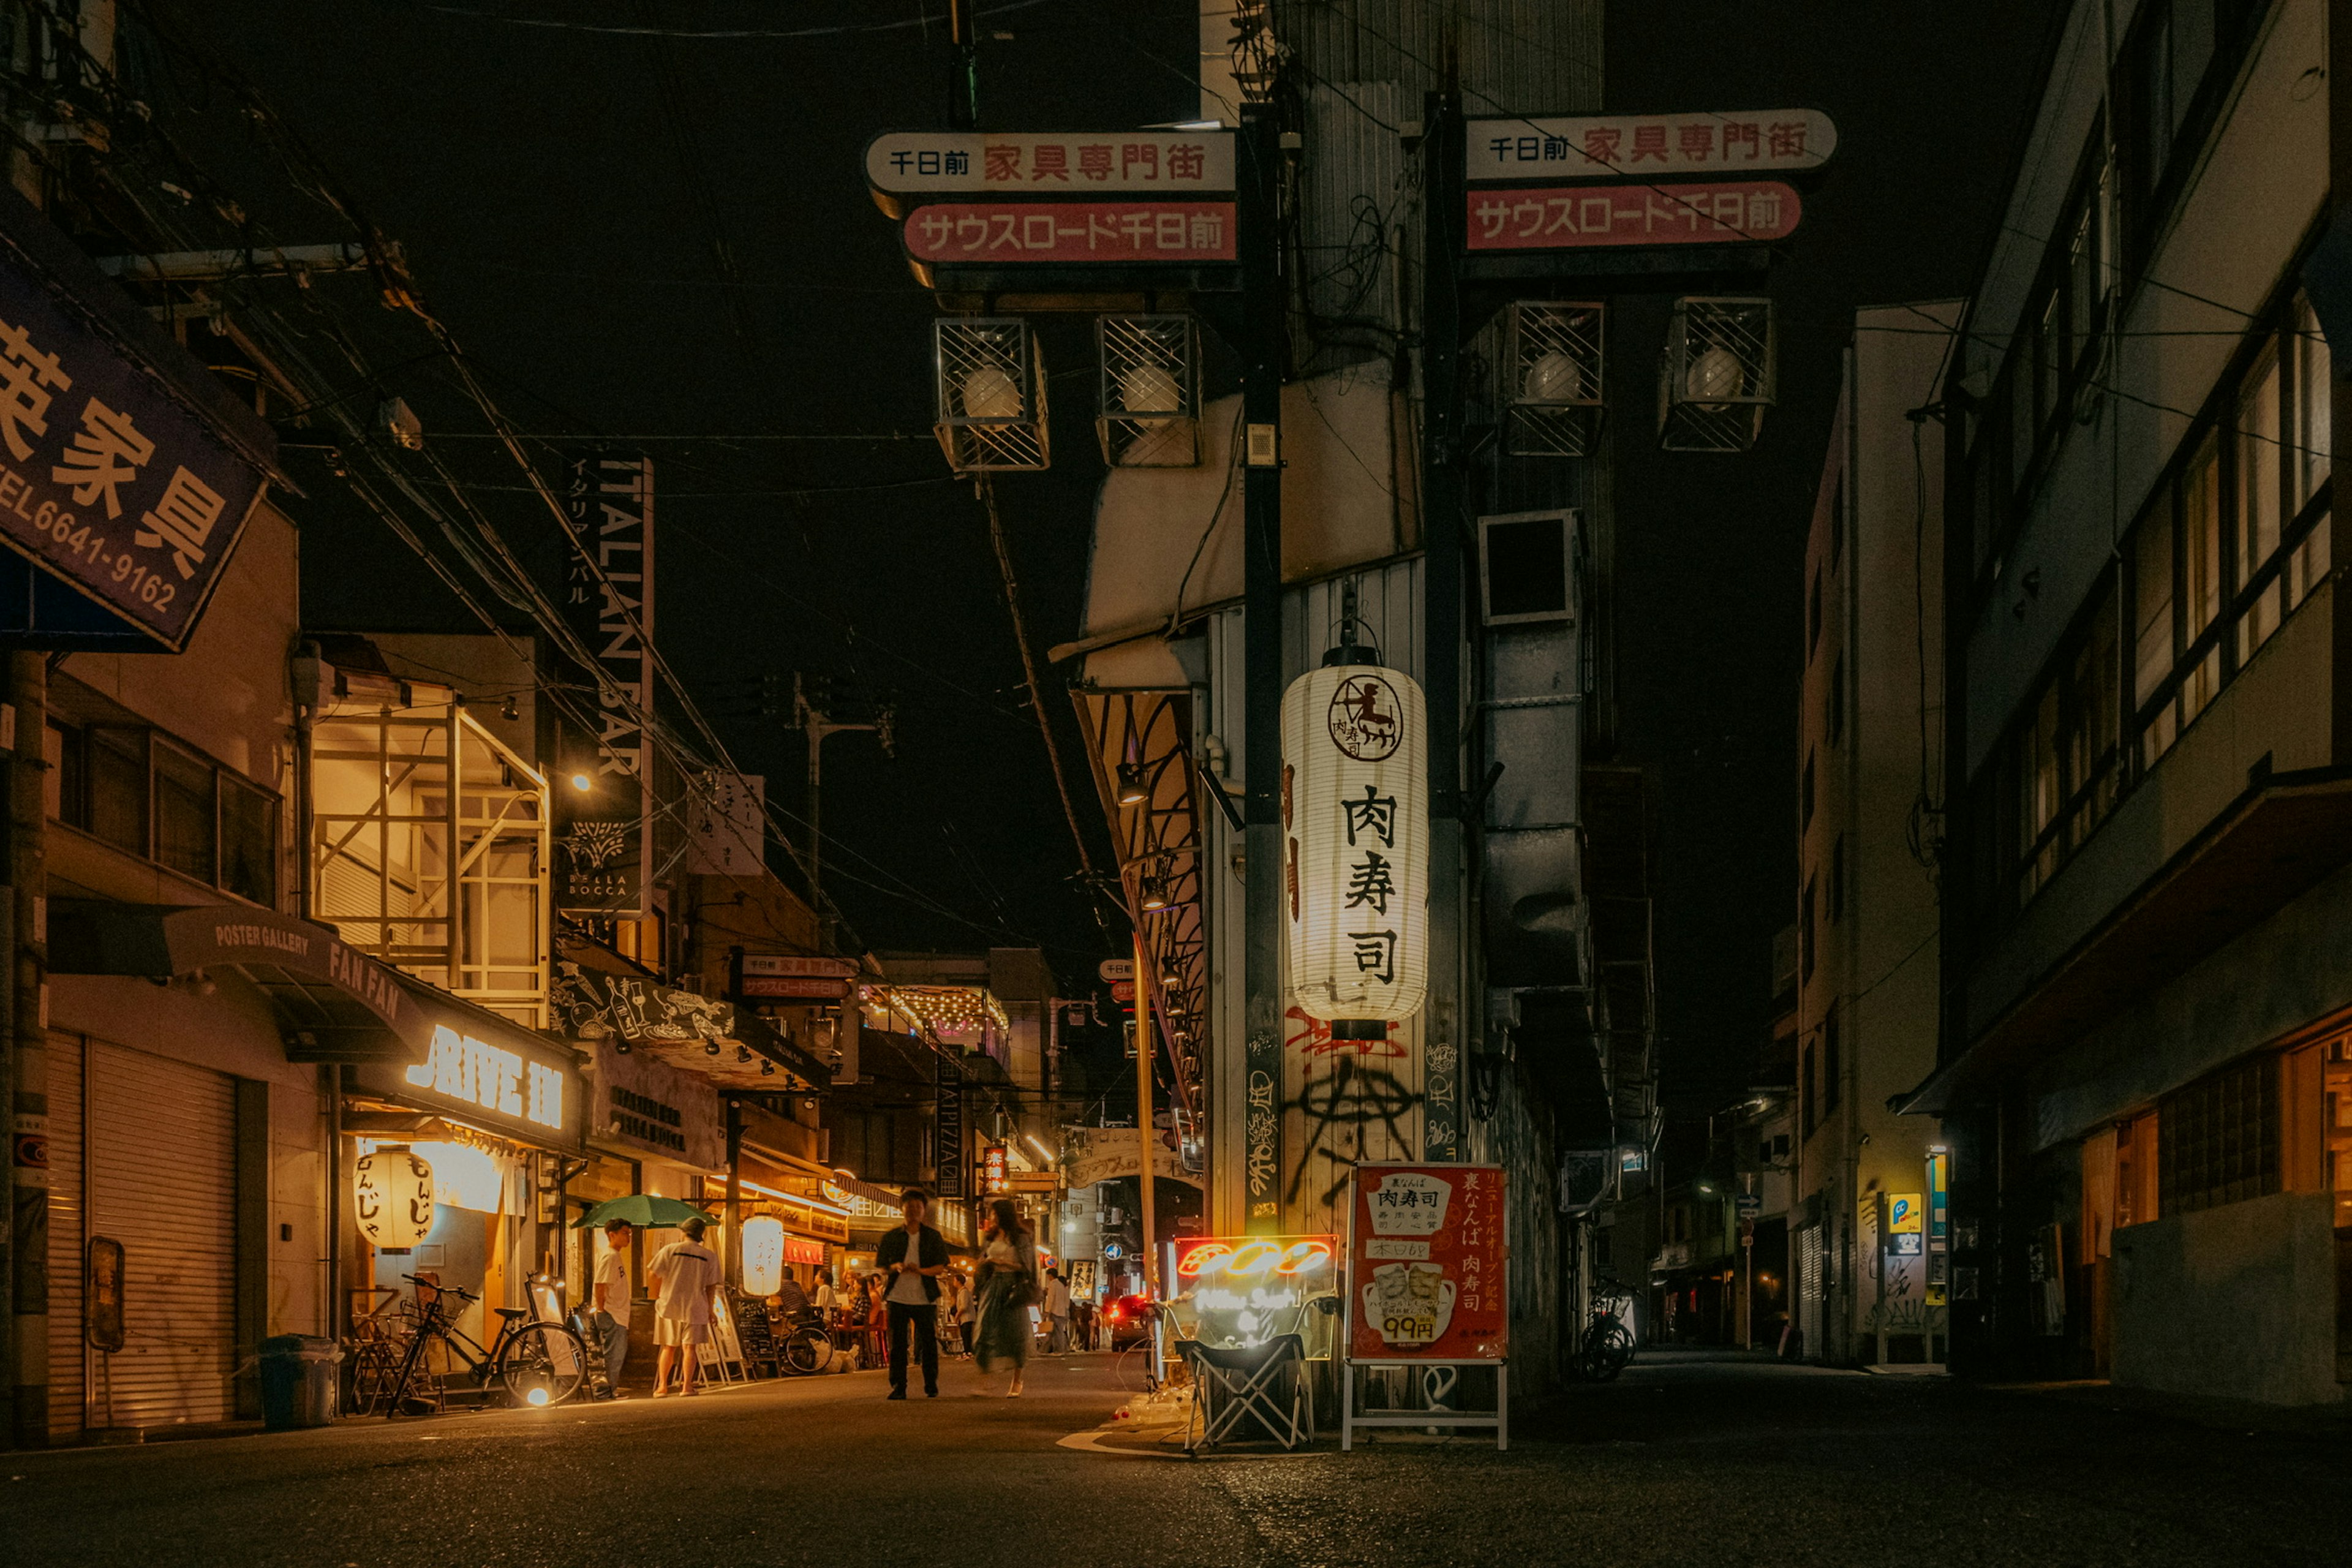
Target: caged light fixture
{"x":989,"y":394}
{"x":1716,"y":380}
{"x":1550,"y":369}
{"x":1148,"y":395}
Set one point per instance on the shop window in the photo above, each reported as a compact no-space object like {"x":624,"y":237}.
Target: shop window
{"x":149,"y":795}
{"x":187,"y":820}
{"x":2335,"y":1127}
{"x":2220,"y":1138}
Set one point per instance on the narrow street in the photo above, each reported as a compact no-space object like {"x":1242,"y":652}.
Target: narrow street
{"x":1684,"y":1461}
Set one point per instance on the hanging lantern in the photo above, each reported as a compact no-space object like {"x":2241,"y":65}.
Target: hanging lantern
{"x":763,"y":1255}
{"x":392,"y":1198}
{"x":1355,"y":815}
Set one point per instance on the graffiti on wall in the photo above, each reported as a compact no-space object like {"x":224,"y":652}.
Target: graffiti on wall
{"x":1344,"y":1102}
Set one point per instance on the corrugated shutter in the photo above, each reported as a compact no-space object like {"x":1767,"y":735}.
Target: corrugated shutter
{"x":65,"y":1235}
{"x":1809,"y":1290}
{"x":163,"y":1182}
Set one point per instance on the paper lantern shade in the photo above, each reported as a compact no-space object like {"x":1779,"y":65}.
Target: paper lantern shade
{"x":392,"y":1198}
{"x":763,"y":1255}
{"x":1355,"y":810}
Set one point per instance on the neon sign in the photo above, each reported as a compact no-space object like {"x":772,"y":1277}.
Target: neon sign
{"x":478,"y":1073}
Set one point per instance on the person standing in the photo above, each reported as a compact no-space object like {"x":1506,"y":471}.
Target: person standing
{"x":914,"y":1256}
{"x":684,"y":1276}
{"x":824,"y":1299}
{"x":613,"y":1302}
{"x":1057,"y":1313}
{"x":967,"y":1313}
{"x":1008,"y":1290}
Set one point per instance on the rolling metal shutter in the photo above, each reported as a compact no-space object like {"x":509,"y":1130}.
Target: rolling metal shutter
{"x":162,"y":1181}
{"x":66,"y":1236}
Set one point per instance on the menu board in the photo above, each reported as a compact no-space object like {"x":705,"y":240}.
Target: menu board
{"x":1425,"y":1264}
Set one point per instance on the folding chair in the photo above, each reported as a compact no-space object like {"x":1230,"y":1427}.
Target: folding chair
{"x":1230,"y":1385}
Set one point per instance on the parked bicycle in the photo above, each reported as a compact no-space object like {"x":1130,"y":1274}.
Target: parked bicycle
{"x":802,"y":1347}
{"x":1608,"y":1344}
{"x":535,"y":1363}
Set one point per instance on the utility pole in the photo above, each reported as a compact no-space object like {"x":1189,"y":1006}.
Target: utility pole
{"x":24,"y":1051}
{"x":1143,"y":1110}
{"x":964,"y":86}
{"x":1441,"y":386}
{"x":1258,"y":242}
{"x":812,"y":710}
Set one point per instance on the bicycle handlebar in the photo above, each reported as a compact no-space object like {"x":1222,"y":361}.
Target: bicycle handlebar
{"x":457,"y":1290}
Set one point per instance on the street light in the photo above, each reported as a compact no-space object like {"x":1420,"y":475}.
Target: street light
{"x":582,"y":781}
{"x":1130,"y":784}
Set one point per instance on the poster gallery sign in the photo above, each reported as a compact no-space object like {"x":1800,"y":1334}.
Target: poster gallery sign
{"x":1425,"y":1264}
{"x":1613,"y":146}
{"x":1589,"y":217}
{"x":789,"y":975}
{"x":107,"y":481}
{"x":604,"y":832}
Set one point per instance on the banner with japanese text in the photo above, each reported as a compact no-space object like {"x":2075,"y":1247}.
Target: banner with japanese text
{"x":1426,"y":1264}
{"x":603,"y":782}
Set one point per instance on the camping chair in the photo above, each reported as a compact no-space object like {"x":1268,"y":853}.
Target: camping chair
{"x":1229,"y":1385}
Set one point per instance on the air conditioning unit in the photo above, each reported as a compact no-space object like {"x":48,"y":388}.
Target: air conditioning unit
{"x":989,"y":381}
{"x":1550,"y":376}
{"x":1715,"y":378}
{"x":1148,"y":408}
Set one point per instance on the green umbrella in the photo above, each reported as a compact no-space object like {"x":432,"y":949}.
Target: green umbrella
{"x":643,"y":1210}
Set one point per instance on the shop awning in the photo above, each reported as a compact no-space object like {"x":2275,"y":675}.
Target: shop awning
{"x":702,"y":1035}
{"x":333,"y":1002}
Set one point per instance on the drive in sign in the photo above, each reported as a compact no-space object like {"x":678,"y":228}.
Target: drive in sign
{"x":1155,"y":161}
{"x":1606,"y":146}
{"x":1591,"y":216}
{"x":106,"y":480}
{"x":993,"y":233}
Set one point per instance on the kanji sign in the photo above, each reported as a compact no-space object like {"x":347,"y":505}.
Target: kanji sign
{"x":1590,"y":217}
{"x":1606,"y":146}
{"x":993,"y":233}
{"x":1051,"y":163}
{"x":603,"y":802}
{"x":785,"y":975}
{"x":106,"y":480}
{"x":1425,"y":1264}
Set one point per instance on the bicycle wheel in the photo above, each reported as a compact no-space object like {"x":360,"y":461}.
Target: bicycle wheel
{"x":544,"y":1364}
{"x":807,"y":1351}
{"x":1608,"y":1347}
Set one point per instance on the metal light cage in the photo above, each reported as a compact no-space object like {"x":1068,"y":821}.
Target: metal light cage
{"x":1715,"y":378}
{"x":988,"y":379}
{"x":1149,"y":391}
{"x":1549,"y":374}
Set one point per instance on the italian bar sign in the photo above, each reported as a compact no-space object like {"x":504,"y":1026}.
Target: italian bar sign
{"x":1151,"y":161}
{"x":1610,"y":146}
{"x":1584,"y":217}
{"x":1425,"y":1264}
{"x":603,"y":799}
{"x":1089,"y":233}
{"x":106,"y":480}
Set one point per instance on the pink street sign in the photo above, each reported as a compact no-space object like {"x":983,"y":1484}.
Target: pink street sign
{"x":1581,"y":217}
{"x":990,"y":233}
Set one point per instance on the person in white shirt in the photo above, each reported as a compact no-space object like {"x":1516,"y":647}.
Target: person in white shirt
{"x":684,"y":1277}
{"x":824,"y":1299}
{"x":1057,"y":1313}
{"x":613,"y":1301}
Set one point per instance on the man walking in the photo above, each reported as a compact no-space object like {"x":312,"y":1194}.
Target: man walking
{"x":685,"y":1280}
{"x":913,"y":1256}
{"x":1057,"y":1313}
{"x":613,"y":1302}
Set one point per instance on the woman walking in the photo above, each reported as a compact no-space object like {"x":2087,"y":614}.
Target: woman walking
{"x":1008,"y":1288}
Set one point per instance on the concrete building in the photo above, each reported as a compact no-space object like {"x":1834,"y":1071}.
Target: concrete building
{"x":2147,"y":1041}
{"x":1869,"y":758}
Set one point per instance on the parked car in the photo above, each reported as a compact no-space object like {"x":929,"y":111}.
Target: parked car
{"x":1127,"y":1320}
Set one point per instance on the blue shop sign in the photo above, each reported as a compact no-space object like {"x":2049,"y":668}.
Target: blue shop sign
{"x":107,"y":481}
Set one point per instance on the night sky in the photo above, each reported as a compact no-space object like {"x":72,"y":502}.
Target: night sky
{"x":670,"y":239}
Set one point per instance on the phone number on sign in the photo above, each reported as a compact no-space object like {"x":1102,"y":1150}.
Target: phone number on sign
{"x":62,"y":535}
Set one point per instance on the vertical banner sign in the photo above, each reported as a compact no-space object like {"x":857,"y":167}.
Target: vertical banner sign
{"x":947,"y":1141}
{"x":1425,"y":1257}
{"x":604,"y":832}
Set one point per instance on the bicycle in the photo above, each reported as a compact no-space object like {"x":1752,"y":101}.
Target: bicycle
{"x":804,"y":1348}
{"x":537,"y":1363}
{"x":1608,"y":1344}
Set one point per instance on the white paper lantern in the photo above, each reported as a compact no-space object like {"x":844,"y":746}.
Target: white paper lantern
{"x":763,"y":1255}
{"x":1355,"y":812}
{"x":391,"y":1197}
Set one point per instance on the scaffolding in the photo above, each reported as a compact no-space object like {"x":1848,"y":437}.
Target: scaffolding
{"x":429,"y":848}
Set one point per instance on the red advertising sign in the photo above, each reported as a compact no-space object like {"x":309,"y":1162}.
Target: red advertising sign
{"x":1590,"y":217}
{"x":1604,"y":146}
{"x":1425,"y":1264}
{"x":993,"y":233}
{"x":1122,"y":990}
{"x":794,"y":985}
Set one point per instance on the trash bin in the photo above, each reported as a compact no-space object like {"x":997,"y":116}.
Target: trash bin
{"x":297,"y":1381}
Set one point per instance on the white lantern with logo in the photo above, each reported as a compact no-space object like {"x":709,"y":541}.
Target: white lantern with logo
{"x":1355,"y":816}
{"x":763,"y":1255}
{"x":392,"y":1198}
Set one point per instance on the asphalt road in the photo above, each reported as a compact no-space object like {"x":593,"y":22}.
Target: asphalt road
{"x":1680,"y":1463}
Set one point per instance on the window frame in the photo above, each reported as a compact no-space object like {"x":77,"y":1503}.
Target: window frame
{"x":75,"y":801}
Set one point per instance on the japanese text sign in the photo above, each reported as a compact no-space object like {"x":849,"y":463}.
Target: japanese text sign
{"x":106,"y":479}
{"x":605,"y":833}
{"x":1182,"y":161}
{"x":989,"y":233}
{"x":1591,"y":216}
{"x":1606,"y":146}
{"x":1425,"y":1264}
